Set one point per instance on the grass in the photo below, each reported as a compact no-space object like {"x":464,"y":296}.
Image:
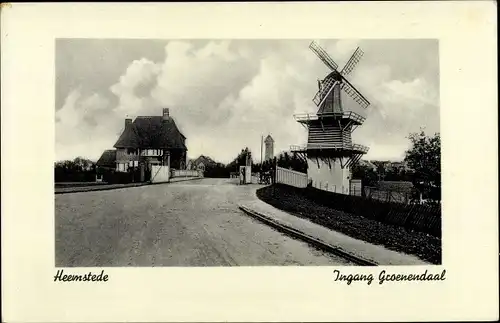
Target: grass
{"x":295,"y":201}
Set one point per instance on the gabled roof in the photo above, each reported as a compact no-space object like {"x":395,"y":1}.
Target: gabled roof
{"x":203,"y":159}
{"x":107,"y":159}
{"x":152,"y":132}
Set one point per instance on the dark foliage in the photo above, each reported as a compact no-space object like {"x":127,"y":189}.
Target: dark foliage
{"x":424,"y":157}
{"x":217,"y":170}
{"x":77,"y":170}
{"x":379,"y":223}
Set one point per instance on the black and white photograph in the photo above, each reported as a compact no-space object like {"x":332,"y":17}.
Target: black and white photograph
{"x":247,"y":152}
{"x":249,"y":162}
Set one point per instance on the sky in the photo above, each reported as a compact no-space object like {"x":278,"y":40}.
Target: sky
{"x":225,"y":94}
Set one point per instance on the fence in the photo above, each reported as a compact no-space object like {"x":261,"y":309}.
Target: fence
{"x":291,"y":177}
{"x":423,"y":218}
{"x":185,"y":173}
{"x":397,"y":196}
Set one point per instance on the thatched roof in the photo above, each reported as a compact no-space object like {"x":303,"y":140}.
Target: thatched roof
{"x":153,"y":133}
{"x":107,"y":159}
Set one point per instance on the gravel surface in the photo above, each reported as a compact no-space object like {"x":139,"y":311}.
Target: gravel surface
{"x":192,"y":223}
{"x":424,"y":246}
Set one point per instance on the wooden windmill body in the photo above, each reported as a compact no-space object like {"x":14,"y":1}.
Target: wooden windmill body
{"x":329,"y":151}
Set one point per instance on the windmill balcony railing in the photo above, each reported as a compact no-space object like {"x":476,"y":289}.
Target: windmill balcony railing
{"x":354,"y":147}
{"x":360,"y":148}
{"x":306,"y":117}
{"x":298,"y":148}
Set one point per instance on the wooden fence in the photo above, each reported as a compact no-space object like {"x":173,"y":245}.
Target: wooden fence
{"x":291,"y":177}
{"x":423,"y":218}
{"x":388,"y":195}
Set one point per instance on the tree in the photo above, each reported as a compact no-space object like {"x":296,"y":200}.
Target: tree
{"x":78,"y":170}
{"x":367,"y":175}
{"x":240,"y":160}
{"x":424,"y":158}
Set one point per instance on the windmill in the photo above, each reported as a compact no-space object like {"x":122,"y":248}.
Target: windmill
{"x":329,"y":151}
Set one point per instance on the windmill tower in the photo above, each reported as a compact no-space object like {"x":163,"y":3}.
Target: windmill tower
{"x":269,"y":142}
{"x":329,"y":151}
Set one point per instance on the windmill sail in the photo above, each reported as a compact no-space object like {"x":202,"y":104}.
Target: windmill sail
{"x":353,"y":61}
{"x":323,"y":56}
{"x":354,"y":94}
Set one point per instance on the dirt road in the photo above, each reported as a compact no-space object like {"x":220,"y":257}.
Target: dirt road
{"x":194,"y":223}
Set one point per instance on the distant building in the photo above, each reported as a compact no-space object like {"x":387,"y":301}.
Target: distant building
{"x":368,"y":164}
{"x":269,"y":143}
{"x":200,"y":163}
{"x":390,"y":165}
{"x":399,"y":166}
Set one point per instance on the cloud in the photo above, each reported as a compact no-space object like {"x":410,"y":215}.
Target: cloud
{"x":225,"y":94}
{"x":134,"y":87}
{"x":80,"y":130}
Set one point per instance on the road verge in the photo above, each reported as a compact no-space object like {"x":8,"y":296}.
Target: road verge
{"x":307,"y":238}
{"x":79,"y":189}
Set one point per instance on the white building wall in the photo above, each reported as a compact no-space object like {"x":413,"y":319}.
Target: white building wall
{"x":335,"y":179}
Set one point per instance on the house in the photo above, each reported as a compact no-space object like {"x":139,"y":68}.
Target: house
{"x":201,"y":163}
{"x":147,"y":141}
{"x":105,"y":164}
{"x":107,"y":160}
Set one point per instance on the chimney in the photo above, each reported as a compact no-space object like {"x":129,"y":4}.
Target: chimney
{"x":166,"y":114}
{"x":128,"y":122}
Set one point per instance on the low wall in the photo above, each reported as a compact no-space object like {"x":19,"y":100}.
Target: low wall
{"x":186,"y":173}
